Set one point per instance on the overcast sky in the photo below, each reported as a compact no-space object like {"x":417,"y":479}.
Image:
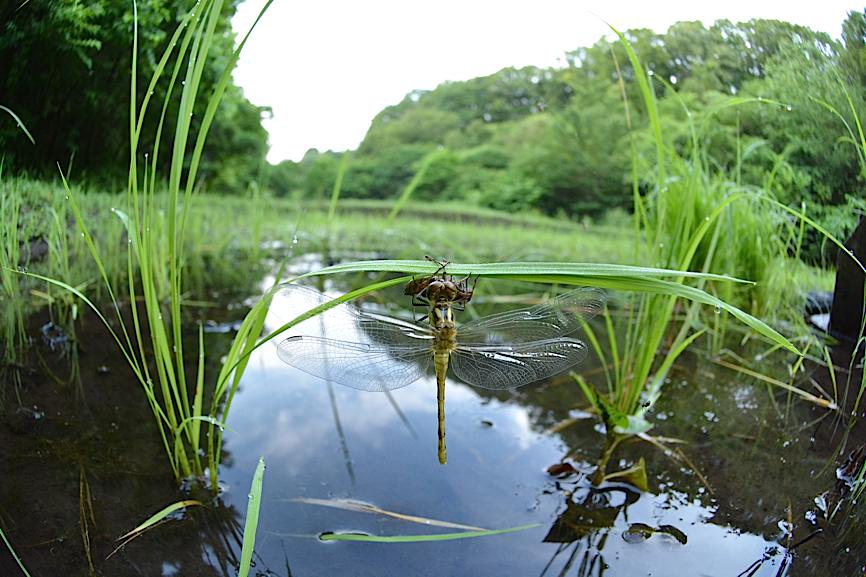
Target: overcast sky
{"x":326,"y":68}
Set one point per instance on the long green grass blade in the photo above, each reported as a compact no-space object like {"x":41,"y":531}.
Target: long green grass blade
{"x":422,"y":538}
{"x":19,"y":122}
{"x":322,"y":308}
{"x":14,"y":554}
{"x":414,"y":183}
{"x":612,"y":277}
{"x":824,"y":232}
{"x":505,"y":269}
{"x":160,"y":516}
{"x":649,"y":99}
{"x":252,"y":522}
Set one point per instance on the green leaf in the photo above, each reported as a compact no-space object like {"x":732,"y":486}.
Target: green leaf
{"x":19,"y":122}
{"x":607,"y":276}
{"x":636,"y":425}
{"x":517,"y":269}
{"x":160,"y":516}
{"x":14,"y":554}
{"x":421,"y":538}
{"x":252,"y":522}
{"x":634,"y":476}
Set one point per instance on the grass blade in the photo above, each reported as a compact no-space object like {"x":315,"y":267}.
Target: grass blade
{"x":158,"y":517}
{"x":607,"y":276}
{"x":252,"y":522}
{"x":508,"y":269}
{"x":14,"y":554}
{"x":19,"y":122}
{"x":421,"y":538}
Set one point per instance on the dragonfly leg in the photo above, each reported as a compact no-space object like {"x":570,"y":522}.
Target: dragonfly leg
{"x":420,"y":301}
{"x":442,"y":264}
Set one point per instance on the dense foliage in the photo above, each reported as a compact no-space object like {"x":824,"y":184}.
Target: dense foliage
{"x":64,"y":70}
{"x":757,"y":95}
{"x":763,"y":103}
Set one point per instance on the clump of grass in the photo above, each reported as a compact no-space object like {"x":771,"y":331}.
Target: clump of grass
{"x":690,"y":219}
{"x":151,"y":340}
{"x":12,"y":311}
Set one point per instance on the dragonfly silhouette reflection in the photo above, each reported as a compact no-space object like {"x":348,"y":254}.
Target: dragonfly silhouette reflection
{"x":373,"y":352}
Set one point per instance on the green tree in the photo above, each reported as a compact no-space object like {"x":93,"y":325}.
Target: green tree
{"x":65,"y":66}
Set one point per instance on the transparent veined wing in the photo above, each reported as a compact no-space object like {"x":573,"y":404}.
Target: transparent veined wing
{"x":362,"y":366}
{"x":554,"y":318}
{"x":343,"y":320}
{"x":500,"y":367}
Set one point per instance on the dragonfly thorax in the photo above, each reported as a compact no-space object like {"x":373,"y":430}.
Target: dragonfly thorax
{"x":442,"y":316}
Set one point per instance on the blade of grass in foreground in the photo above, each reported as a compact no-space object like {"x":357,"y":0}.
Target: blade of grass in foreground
{"x":14,"y":555}
{"x":158,"y":517}
{"x":506,"y":269}
{"x":606,"y":276}
{"x":421,"y":538}
{"x":252,"y":522}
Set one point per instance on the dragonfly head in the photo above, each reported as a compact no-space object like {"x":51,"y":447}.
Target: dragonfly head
{"x":440,"y":291}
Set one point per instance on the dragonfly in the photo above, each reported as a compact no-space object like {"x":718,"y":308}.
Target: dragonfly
{"x":368,"y":351}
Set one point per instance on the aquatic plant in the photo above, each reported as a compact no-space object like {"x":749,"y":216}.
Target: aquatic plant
{"x":152,"y":341}
{"x":687,"y":217}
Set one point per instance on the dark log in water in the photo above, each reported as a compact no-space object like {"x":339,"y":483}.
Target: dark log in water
{"x":846,"y":315}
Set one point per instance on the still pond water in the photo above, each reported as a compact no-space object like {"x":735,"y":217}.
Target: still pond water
{"x":757,"y":477}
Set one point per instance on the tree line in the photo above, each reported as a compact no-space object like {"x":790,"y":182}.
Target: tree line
{"x":771,"y":104}
{"x":65,"y":72}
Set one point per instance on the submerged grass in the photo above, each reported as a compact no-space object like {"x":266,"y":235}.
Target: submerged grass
{"x":13,"y":553}
{"x":362,"y":537}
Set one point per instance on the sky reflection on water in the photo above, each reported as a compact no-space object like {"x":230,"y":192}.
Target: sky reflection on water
{"x":495,"y":478}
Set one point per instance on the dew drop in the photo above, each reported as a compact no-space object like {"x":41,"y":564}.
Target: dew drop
{"x":718,"y":310}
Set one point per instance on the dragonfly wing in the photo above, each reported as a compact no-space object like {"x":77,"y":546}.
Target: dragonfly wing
{"x":501,"y":367}
{"x":345,"y":320}
{"x":557,"y":317}
{"x":361,"y":366}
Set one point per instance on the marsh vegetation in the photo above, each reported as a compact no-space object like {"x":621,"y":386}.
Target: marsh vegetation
{"x":710,"y":429}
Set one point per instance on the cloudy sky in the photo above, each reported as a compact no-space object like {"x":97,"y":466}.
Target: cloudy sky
{"x":327,"y":67}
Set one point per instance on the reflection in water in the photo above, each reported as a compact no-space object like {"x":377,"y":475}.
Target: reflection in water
{"x":597,"y":527}
{"x":497,"y":478}
{"x":372,"y":352}
{"x":498,"y":481}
